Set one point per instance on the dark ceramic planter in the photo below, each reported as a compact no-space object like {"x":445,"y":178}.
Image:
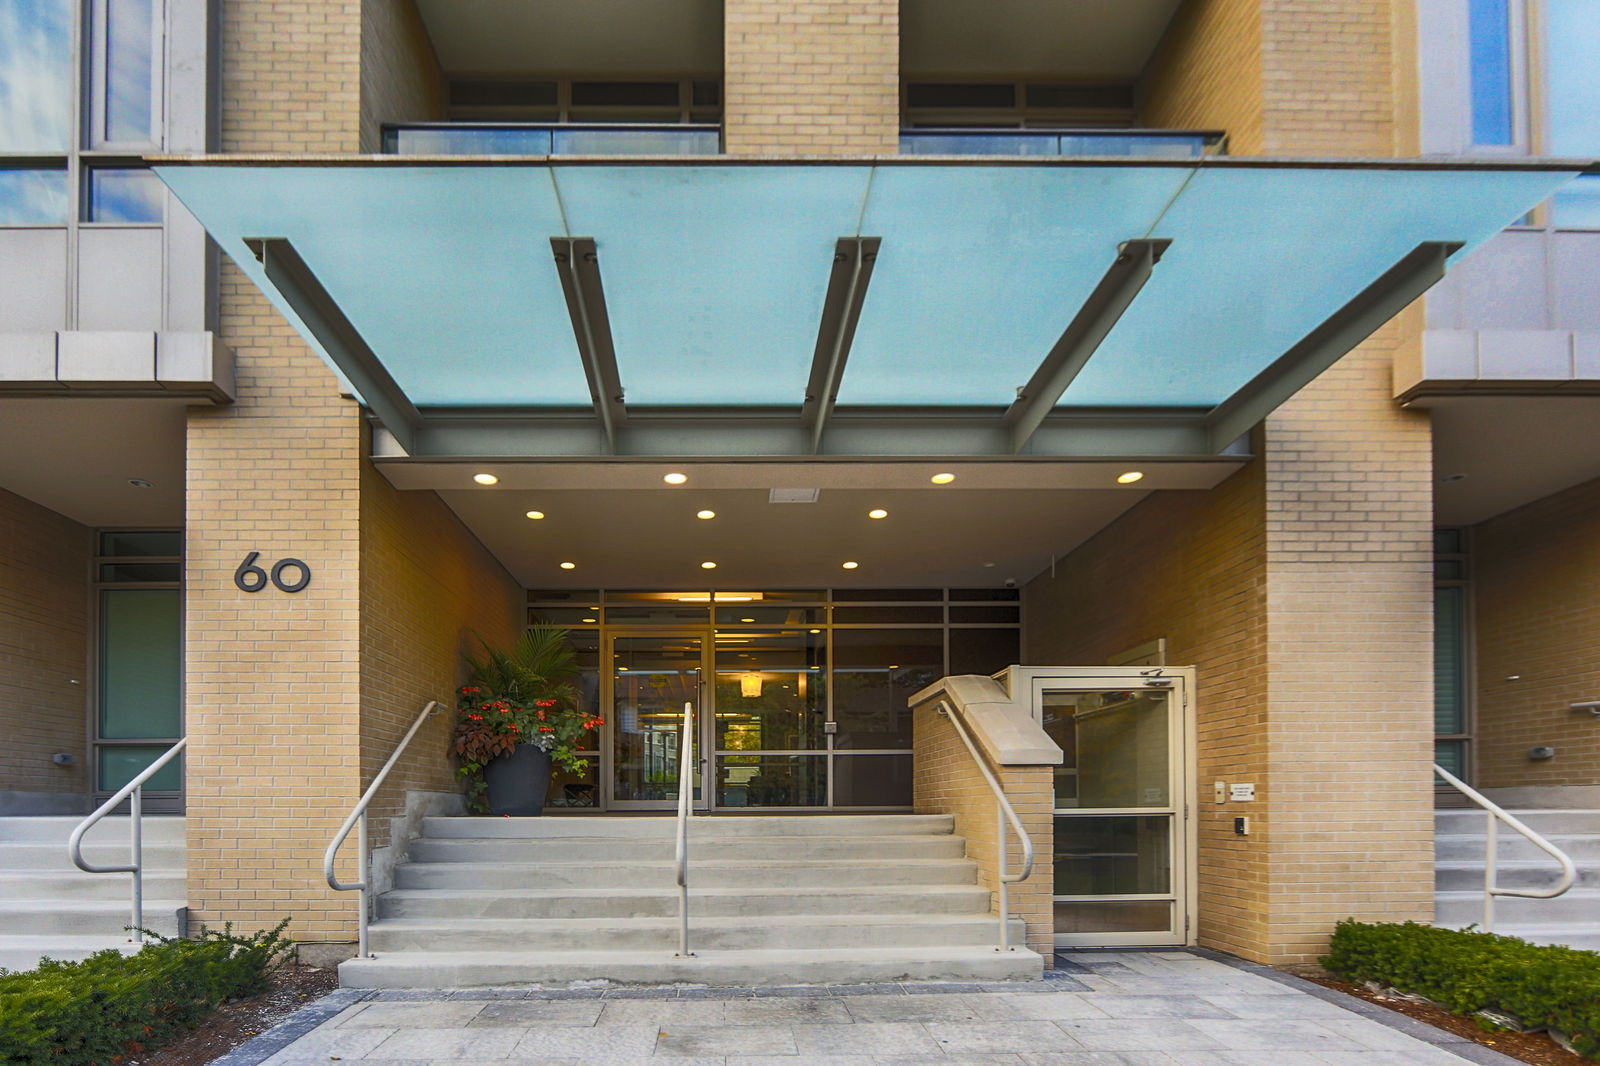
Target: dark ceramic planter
{"x":518,"y":782}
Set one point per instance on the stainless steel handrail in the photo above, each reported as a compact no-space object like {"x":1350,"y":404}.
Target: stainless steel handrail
{"x":1496,"y":814}
{"x":1004,"y":813}
{"x":133,"y":792}
{"x":685,"y":807}
{"x":359,"y":816}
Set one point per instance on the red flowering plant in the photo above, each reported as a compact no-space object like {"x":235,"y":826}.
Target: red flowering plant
{"x":527,"y":695}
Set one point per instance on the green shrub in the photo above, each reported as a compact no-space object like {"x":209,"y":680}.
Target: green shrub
{"x":1465,"y":971}
{"x":101,"y":1010}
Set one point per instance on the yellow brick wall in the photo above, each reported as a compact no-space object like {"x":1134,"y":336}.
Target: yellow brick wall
{"x":400,"y":76}
{"x":427,"y":585}
{"x":44,"y":646}
{"x":273,"y":680}
{"x":811,"y":77}
{"x":1205,"y":73}
{"x":1536,"y":581}
{"x":946,"y":780}
{"x":1190,"y":567}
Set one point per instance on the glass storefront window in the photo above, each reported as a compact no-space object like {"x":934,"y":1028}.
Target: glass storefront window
{"x":157,"y":542}
{"x":35,"y":77}
{"x":1127,"y":735}
{"x":570,"y":790}
{"x":872,"y":781}
{"x":140,"y":657}
{"x":771,"y":691}
{"x":984,"y":651}
{"x":1449,"y":666}
{"x":1113,"y":916}
{"x":772,"y":781}
{"x":1113,"y":855}
{"x":121,"y":763}
{"x":874,"y":672}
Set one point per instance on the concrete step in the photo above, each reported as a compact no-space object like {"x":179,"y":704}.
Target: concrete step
{"x":590,"y":850}
{"x":19,"y":953}
{"x":701,"y":828}
{"x":84,"y":917}
{"x":1584,"y":936}
{"x":1453,"y":847}
{"x":1521,"y":873}
{"x":53,"y":856}
{"x":1456,"y":909}
{"x":705,"y":874}
{"x":1545,"y":820}
{"x":74,"y":884}
{"x":113,"y":829}
{"x":760,"y":933}
{"x":663,"y":902}
{"x":471,"y":969}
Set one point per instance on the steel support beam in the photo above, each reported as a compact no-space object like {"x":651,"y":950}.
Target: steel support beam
{"x":1105,"y":305}
{"x":853,"y":433}
{"x":578,"y":263}
{"x":853,"y":258}
{"x":301,"y":290}
{"x":1347,"y":327}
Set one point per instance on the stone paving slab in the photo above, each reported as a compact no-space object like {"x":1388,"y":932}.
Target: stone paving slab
{"x":1109,"y":1008}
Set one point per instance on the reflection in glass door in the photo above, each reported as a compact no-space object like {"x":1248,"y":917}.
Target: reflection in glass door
{"x":652,"y":677}
{"x":1119,"y":836}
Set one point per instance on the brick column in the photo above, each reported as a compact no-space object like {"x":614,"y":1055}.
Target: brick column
{"x":811,"y":77}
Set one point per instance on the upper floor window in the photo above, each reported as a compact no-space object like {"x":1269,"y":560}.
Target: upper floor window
{"x":1492,"y":80}
{"x":1572,"y":103}
{"x":121,"y":75}
{"x":36,"y":75}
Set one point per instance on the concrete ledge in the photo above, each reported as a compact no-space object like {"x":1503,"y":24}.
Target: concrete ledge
{"x":117,"y":363}
{"x":1003,"y":728}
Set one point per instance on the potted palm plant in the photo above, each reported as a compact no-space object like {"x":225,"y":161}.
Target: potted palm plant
{"x":517,"y":715}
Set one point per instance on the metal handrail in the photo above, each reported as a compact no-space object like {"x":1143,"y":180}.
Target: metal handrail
{"x":685,"y":807}
{"x":133,"y":792}
{"x":1004,"y":813}
{"x":358,"y":815}
{"x":1496,"y":814}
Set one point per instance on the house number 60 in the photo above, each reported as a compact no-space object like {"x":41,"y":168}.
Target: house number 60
{"x":251,"y":578}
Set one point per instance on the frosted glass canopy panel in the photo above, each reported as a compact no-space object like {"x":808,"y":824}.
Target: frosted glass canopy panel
{"x":714,"y":276}
{"x":1259,"y":258}
{"x":446,"y":272}
{"x":980,"y":270}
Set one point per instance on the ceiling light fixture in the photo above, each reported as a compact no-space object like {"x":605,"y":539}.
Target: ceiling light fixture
{"x":747,"y":619}
{"x":708,"y":565}
{"x":675,"y":478}
{"x":877,"y":512}
{"x":942,"y":479}
{"x":750,"y":686}
{"x":536,"y":515}
{"x":1130,"y":477}
{"x":705,"y":514}
{"x":486,"y":479}
{"x":588,"y":619}
{"x":569,"y":566}
{"x":850,"y":565}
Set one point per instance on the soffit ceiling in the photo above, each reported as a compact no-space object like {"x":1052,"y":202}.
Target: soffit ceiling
{"x":1496,"y":453}
{"x":1087,"y":40}
{"x":76,"y":456}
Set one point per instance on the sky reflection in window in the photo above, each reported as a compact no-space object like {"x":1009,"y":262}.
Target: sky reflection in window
{"x":35,"y":76}
{"x":33,"y":197}
{"x":118,"y":195}
{"x":128,"y":71}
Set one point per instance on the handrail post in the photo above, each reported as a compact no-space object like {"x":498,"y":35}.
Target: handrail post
{"x":136,"y":849}
{"x":1491,"y":859}
{"x":685,"y":806}
{"x":1005,"y":897}
{"x":362,"y":863}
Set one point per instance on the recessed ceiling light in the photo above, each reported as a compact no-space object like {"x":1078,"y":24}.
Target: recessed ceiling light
{"x":708,"y":565}
{"x":569,"y":566}
{"x":486,"y":479}
{"x":141,"y":483}
{"x":675,"y":478}
{"x":588,"y":619}
{"x":988,"y":565}
{"x":942,"y":479}
{"x":1447,"y":478}
{"x":536,"y":515}
{"x":877,"y":512}
{"x":816,"y":631}
{"x":850,"y":565}
{"x":705,"y":514}
{"x":1130,"y":477}
{"x":747,"y":619}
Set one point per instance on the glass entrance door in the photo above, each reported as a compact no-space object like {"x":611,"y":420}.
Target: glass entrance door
{"x":651,"y":677}
{"x":1121,"y":850}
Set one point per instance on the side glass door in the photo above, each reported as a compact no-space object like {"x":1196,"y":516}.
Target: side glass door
{"x":1121,"y":852}
{"x":651,"y":677}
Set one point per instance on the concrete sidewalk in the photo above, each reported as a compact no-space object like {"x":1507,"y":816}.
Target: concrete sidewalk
{"x":1164,"y":1008}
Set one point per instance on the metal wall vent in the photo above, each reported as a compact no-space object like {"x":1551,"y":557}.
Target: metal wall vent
{"x":793,"y":495}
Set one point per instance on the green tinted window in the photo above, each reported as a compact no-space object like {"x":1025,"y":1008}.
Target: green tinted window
{"x":140,"y":663}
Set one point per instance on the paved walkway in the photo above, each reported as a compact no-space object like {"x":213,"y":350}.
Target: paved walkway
{"x":1168,"y":1008}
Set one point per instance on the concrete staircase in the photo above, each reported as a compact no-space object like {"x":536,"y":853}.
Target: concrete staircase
{"x":781,"y":899}
{"x":1572,"y":919}
{"x":48,"y":907}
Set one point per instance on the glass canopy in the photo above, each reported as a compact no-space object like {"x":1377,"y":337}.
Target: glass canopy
{"x":714,"y":274}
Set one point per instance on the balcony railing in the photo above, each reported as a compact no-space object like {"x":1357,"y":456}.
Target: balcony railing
{"x":515,"y":138}
{"x":1077,"y":142}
